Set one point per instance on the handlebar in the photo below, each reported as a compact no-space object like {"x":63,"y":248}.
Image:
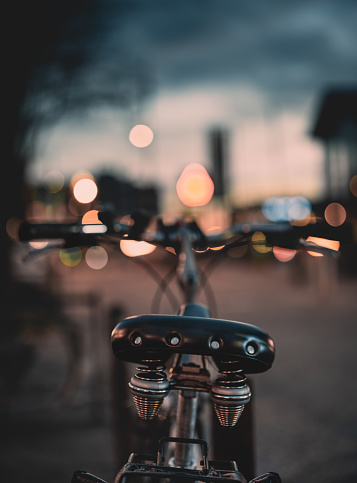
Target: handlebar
{"x":283,"y":234}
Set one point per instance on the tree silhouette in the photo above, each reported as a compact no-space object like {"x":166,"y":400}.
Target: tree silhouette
{"x":57,"y":64}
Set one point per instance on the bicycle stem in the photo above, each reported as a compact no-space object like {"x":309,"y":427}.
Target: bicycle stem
{"x":187,"y":269}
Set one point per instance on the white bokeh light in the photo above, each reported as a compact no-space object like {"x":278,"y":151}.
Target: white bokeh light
{"x":141,"y":136}
{"x":96,"y":257}
{"x":85,"y":190}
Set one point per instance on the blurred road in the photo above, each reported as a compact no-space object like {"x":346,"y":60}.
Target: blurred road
{"x":305,"y":406}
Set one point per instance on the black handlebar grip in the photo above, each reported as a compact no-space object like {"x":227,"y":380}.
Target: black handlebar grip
{"x":48,"y":231}
{"x":342,"y":233}
{"x":289,"y":238}
{"x":26,"y":232}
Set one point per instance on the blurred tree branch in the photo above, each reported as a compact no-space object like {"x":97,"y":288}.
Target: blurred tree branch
{"x":56,"y":64}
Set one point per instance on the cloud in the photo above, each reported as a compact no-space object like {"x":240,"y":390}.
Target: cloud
{"x":288,"y":49}
{"x":256,"y":67}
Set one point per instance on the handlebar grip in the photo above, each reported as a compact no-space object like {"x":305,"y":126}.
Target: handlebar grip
{"x":48,"y":231}
{"x":343,"y":233}
{"x":290,"y":237}
{"x":73,"y":234}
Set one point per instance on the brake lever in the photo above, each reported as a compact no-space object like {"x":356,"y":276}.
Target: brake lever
{"x":267,"y":478}
{"x":85,"y":477}
{"x":37,"y":252}
{"x":141,"y":219}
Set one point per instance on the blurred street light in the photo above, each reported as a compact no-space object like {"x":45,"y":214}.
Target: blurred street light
{"x":85,"y":190}
{"x":195,"y":187}
{"x":141,"y":136}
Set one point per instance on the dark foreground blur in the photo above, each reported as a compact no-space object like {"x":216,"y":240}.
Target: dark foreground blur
{"x":305,"y":406}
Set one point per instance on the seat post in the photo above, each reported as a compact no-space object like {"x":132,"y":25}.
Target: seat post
{"x":195,"y":310}
{"x":187,"y":401}
{"x":185,"y":428}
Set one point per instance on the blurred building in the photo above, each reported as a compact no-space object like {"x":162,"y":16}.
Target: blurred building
{"x":218,"y":141}
{"x":127,"y":197}
{"x":336,"y":128}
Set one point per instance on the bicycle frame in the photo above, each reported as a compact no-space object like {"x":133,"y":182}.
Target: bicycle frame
{"x":188,"y":374}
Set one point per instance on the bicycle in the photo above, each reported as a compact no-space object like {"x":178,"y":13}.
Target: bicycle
{"x":187,"y":342}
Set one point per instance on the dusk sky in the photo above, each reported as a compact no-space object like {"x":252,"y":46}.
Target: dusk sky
{"x":256,"y":69}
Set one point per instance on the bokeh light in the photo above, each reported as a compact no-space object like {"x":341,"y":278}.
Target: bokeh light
{"x":91,"y":218}
{"x":353,"y":185}
{"x":335,"y":214}
{"x":215,"y":230}
{"x":237,"y":252}
{"x":70,"y":256}
{"x":195,"y":187}
{"x":132,"y":248}
{"x":141,"y":136}
{"x":12,"y":228}
{"x":96,"y":257}
{"x":36,"y":210}
{"x":322,"y":242}
{"x":85,"y":190}
{"x":173,"y":251}
{"x":286,"y":208}
{"x":258,"y":242}
{"x":283,"y":254}
{"x":76,"y":208}
{"x":53,"y":181}
{"x":38,"y":245}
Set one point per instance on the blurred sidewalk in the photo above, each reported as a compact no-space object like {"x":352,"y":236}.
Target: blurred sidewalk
{"x":305,"y":407}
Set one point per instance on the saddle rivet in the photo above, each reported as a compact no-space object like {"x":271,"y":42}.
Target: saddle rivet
{"x":251,"y":349}
{"x":174,"y":340}
{"x":215,"y":344}
{"x":138,"y":340}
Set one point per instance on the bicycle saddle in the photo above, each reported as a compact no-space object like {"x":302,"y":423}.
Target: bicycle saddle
{"x":156,"y":337}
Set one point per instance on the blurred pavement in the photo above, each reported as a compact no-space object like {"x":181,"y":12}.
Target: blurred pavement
{"x":305,"y":406}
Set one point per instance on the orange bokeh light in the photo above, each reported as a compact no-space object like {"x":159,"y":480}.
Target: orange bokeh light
{"x":335,"y":214}
{"x":323,"y":242}
{"x":353,"y":185}
{"x":132,"y":248}
{"x":91,"y":218}
{"x":12,"y":228}
{"x":195,"y":187}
